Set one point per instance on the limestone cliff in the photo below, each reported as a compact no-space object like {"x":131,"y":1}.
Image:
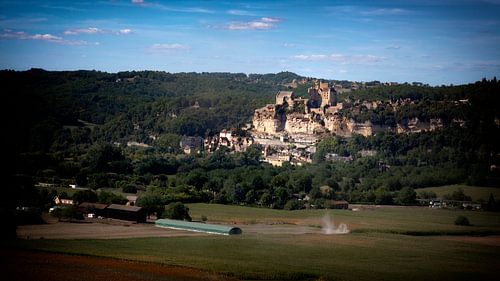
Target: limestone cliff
{"x":320,"y":113}
{"x":269,"y":119}
{"x":297,"y":123}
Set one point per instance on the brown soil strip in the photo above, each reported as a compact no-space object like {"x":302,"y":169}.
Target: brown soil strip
{"x":41,"y":266}
{"x":483,"y":240}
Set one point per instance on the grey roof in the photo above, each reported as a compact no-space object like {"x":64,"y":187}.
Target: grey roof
{"x":124,"y":208}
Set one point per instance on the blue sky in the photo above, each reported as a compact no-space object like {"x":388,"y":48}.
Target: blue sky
{"x":432,"y":41}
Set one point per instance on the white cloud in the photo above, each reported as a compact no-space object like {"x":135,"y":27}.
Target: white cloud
{"x":260,"y":24}
{"x":48,"y":37}
{"x":159,"y":6}
{"x":90,"y":30}
{"x":21,"y":35}
{"x":95,"y":30}
{"x":268,"y":19}
{"x":384,"y":12}
{"x":288,"y":45}
{"x":393,"y":47}
{"x":167,"y":48}
{"x":341,"y":58}
{"x":240,"y":13}
{"x":125,"y":31}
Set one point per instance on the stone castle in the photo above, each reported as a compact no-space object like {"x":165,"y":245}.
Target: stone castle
{"x":316,"y":115}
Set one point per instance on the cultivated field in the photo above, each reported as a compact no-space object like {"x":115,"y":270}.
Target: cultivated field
{"x":386,"y":243}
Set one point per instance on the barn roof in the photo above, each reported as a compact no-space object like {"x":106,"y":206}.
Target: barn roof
{"x":124,"y":208}
{"x":198,"y":227}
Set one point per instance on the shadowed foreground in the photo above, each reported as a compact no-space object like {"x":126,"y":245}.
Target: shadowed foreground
{"x":43,"y":266}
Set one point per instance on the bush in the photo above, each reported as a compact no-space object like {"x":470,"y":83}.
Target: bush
{"x":204,"y":218}
{"x":84,"y":196}
{"x":30,"y":216}
{"x":105,"y":197}
{"x":292,"y":204}
{"x":406,"y":196}
{"x":462,"y":220}
{"x":68,"y":213}
{"x":130,"y":188}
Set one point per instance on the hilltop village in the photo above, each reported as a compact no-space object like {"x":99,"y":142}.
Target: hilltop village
{"x":289,"y":129}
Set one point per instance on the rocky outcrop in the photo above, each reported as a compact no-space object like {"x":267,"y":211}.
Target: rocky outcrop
{"x":320,"y":114}
{"x":415,"y":125}
{"x":339,"y":125}
{"x":269,"y":119}
{"x":297,"y":123}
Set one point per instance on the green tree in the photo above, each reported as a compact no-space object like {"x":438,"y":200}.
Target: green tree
{"x":176,"y":211}
{"x":406,"y":196}
{"x":152,"y":202}
{"x":85,"y":196}
{"x":250,"y":196}
{"x":129,"y":188}
{"x":462,"y":220}
{"x":105,"y":197}
{"x":491,"y":203}
{"x":292,"y":204}
{"x":383,"y":196}
{"x":265,"y":199}
{"x":102,"y":158}
{"x":196,"y":178}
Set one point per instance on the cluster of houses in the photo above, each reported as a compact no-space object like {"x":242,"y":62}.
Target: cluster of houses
{"x":225,"y":139}
{"x":438,"y":203}
{"x":296,"y":149}
{"x":127,"y":212}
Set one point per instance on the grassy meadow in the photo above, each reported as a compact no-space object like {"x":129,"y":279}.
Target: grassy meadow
{"x":378,"y":249}
{"x":477,"y":193}
{"x":386,"y":219}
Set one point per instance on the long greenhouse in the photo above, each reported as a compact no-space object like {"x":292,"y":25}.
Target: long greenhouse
{"x":198,"y":227}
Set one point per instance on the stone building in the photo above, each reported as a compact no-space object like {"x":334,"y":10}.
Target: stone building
{"x":322,"y":95}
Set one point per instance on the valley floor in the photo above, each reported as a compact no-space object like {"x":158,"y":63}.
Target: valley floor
{"x":395,"y":243}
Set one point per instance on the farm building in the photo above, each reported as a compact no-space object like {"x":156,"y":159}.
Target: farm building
{"x":131,"y":200}
{"x":123,"y":212}
{"x":340,"y":204}
{"x":93,"y":208}
{"x":198,"y":227}
{"x":63,"y":201}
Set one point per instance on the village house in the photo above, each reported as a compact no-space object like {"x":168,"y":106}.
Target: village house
{"x":190,"y":144}
{"x":63,"y":201}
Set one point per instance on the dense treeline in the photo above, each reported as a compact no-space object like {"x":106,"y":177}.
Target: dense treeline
{"x":64,"y":127}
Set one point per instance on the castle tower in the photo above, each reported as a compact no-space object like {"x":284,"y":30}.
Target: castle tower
{"x":323,"y":95}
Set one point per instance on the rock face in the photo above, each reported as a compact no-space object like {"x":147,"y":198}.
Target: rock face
{"x":414,"y":125}
{"x":297,"y":123}
{"x":339,"y":125}
{"x":269,"y":119}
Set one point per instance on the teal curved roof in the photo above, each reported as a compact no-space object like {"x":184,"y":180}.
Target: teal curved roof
{"x":199,"y":227}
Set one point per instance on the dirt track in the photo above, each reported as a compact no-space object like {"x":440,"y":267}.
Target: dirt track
{"x":65,"y":230}
{"x":41,"y":266}
{"x":118,"y":229}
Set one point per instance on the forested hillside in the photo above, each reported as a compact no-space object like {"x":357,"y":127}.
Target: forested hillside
{"x":65,"y":127}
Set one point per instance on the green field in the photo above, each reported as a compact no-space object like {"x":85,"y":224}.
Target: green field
{"x":416,"y":220}
{"x":477,"y":193}
{"x":375,"y":251}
